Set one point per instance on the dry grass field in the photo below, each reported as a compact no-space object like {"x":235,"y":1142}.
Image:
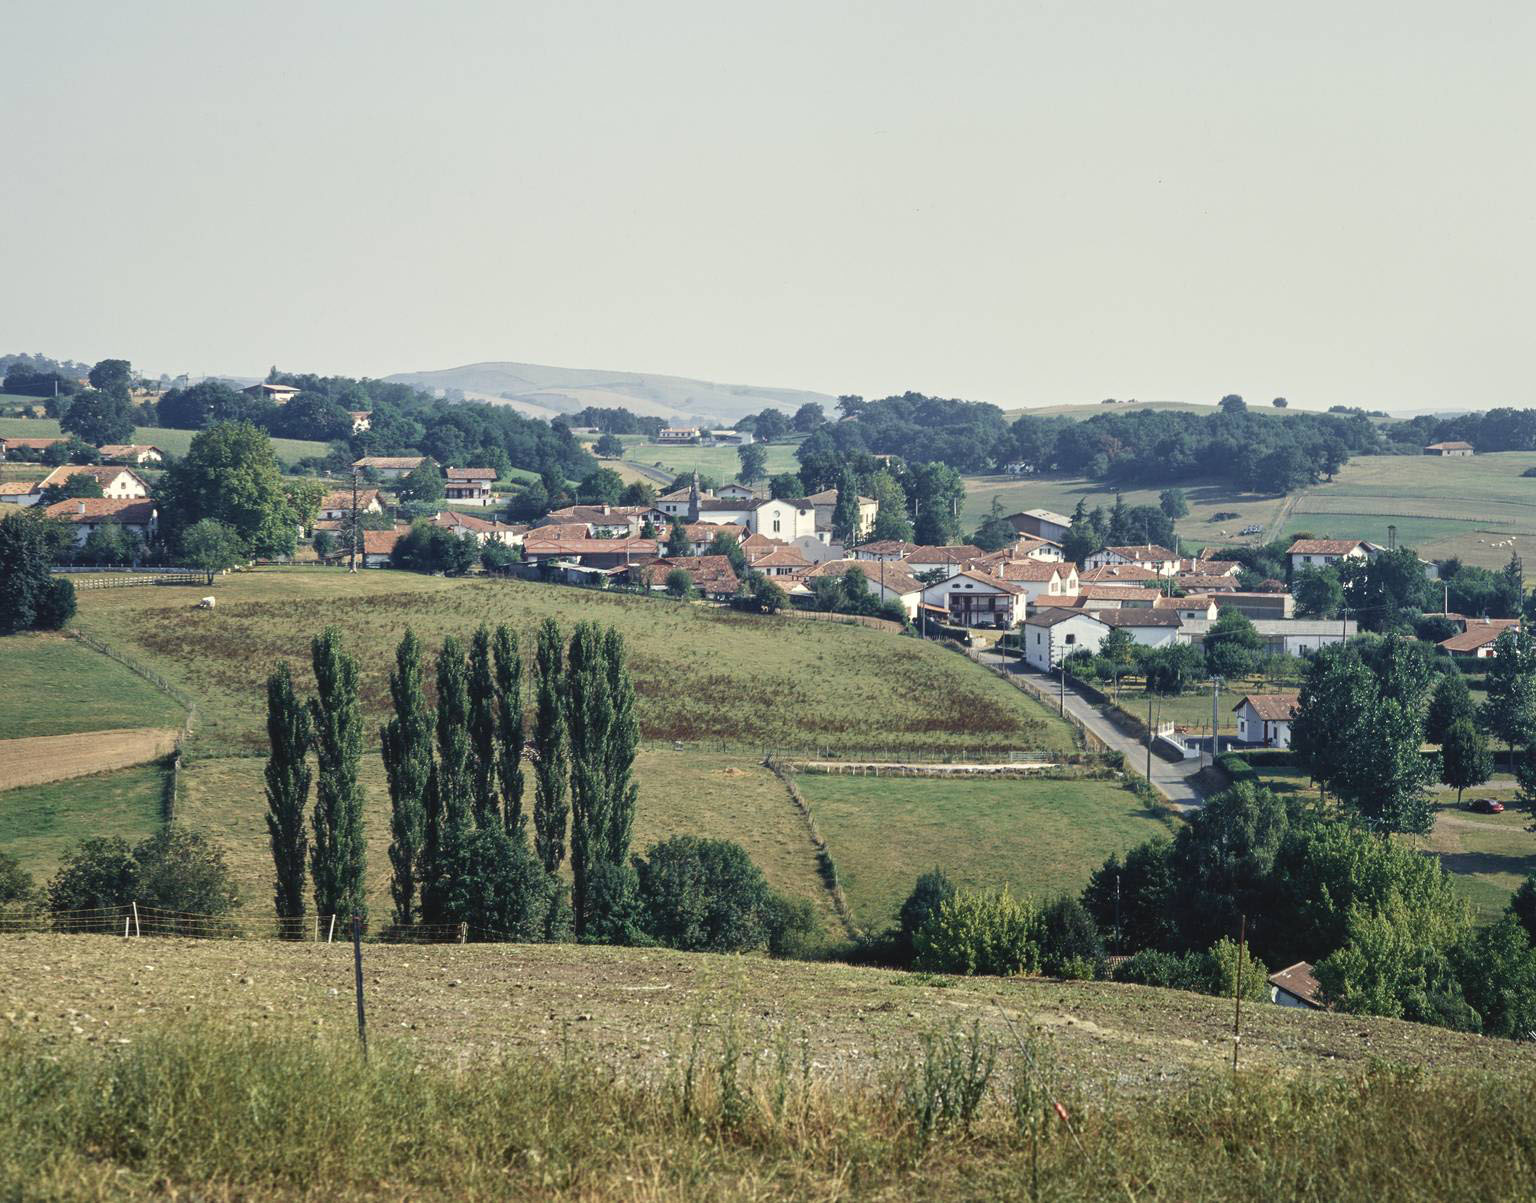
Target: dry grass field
{"x":704,"y":675}
{"x":44,"y":758}
{"x":637,"y":1009}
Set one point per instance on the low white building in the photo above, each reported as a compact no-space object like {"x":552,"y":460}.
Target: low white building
{"x":1147,"y":627}
{"x":1265,"y":718}
{"x":1286,"y":636}
{"x":1051,"y":635}
{"x":131,"y":453}
{"x":1044,"y":524}
{"x":338,"y":505}
{"x":390,"y":467}
{"x":85,"y":514}
{"x":1319,"y":553}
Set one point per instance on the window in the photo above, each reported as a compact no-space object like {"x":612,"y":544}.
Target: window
{"x":775,"y":526}
{"x":1071,"y":639}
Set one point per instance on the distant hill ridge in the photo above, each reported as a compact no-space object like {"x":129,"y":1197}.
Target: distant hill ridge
{"x":543,"y":391}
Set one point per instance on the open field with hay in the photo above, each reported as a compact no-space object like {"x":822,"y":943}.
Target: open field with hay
{"x":704,"y":675}
{"x":1041,"y":836}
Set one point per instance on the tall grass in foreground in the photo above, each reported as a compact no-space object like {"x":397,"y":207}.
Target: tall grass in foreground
{"x":221,"y":1113}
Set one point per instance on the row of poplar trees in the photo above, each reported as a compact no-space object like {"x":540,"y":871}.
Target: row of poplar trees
{"x":458,"y":786}
{"x":328,"y":725}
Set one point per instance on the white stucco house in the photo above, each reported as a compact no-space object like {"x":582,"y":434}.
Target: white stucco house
{"x":974,"y":599}
{"x":1319,"y":553}
{"x":1265,"y":718}
{"x":1051,"y":635}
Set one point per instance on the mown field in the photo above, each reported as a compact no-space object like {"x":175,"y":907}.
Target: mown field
{"x":1478,"y":508}
{"x":1042,"y":837}
{"x":1062,"y":493}
{"x":55,"y":685}
{"x":709,"y":794}
{"x":721,"y":463}
{"x":703,"y":675}
{"x":175,"y":441}
{"x":40,"y":824}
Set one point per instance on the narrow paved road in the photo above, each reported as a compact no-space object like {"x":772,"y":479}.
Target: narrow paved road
{"x":1174,"y":781}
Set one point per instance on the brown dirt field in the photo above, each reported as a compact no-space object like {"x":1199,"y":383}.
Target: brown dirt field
{"x":44,"y":758}
{"x":639,"y":1009}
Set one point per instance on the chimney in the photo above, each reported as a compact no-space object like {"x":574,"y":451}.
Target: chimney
{"x":605,"y":509}
{"x":81,"y":504}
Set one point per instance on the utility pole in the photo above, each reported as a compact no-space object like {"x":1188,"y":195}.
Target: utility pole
{"x":1215,"y":719}
{"x":352,"y":566}
{"x":1149,"y":737}
{"x":1061,"y":695}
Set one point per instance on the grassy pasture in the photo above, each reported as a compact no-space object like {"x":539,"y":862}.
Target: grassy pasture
{"x":1062,"y":493}
{"x":40,"y":824}
{"x":703,"y":674}
{"x":1042,"y":837}
{"x":175,"y":441}
{"x":681,"y":793}
{"x":58,"y":686}
{"x":722,"y":463}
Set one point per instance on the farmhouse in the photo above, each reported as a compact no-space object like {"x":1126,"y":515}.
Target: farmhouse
{"x":1038,"y":579}
{"x":712,"y":576}
{"x":19,"y":492}
{"x":1150,"y":556}
{"x":1449,"y":449}
{"x":117,"y":484}
{"x":86,"y":514}
{"x":1316,"y":553}
{"x":1031,"y":548}
{"x":919,"y":559}
{"x":467,"y":526}
{"x":131,"y":453}
{"x":362,"y":420}
{"x":470,"y":486}
{"x":1205,"y":583}
{"x":1195,"y":605}
{"x":390,"y":467}
{"x":9,"y":446}
{"x":379,"y":546}
{"x":782,"y":562}
{"x":1479,"y":637}
{"x":974,"y":599}
{"x":1146,"y":627}
{"x":1296,"y":986}
{"x":338,"y":505}
{"x":1111,"y":597}
{"x":888,"y":582}
{"x":736,"y":491}
{"x":1265,"y":718}
{"x":1053,"y":634}
{"x":1044,"y":524}
{"x":278,"y":394}
{"x":826,"y":502}
{"x":674,"y":435}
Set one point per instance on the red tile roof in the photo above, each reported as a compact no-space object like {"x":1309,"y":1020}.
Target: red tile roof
{"x":1272,"y":707}
{"x":454,"y":474}
{"x":1324,"y":547}
{"x":136,"y":512}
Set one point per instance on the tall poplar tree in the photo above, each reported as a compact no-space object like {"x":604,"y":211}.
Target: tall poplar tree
{"x":589,"y":717}
{"x":845,"y":514}
{"x":483,"y":714}
{"x":406,"y":744}
{"x":288,"y":779}
{"x":623,"y":740}
{"x":338,"y":856}
{"x":455,"y":757}
{"x":549,"y":750}
{"x":509,"y":703}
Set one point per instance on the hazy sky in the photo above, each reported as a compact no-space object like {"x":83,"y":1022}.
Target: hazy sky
{"x":1015,"y":202}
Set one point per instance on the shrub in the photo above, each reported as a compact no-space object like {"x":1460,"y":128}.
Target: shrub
{"x":930,"y":892}
{"x":1238,"y":770}
{"x":492,"y":882}
{"x":497,"y":557}
{"x":176,"y":869}
{"x":704,"y":896}
{"x":1069,"y":940}
{"x":16,"y":885}
{"x":55,"y":604}
{"x":981,"y":932}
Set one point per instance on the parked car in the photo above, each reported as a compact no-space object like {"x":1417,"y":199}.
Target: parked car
{"x":1488,"y":806}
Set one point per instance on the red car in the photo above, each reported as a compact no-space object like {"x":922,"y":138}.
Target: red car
{"x":1488,"y":806}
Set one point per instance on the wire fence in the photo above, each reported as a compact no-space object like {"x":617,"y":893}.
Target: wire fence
{"x":137,"y":922}
{"x":138,"y":579}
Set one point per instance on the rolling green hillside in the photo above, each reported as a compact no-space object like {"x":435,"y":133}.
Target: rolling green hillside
{"x":174,"y":441}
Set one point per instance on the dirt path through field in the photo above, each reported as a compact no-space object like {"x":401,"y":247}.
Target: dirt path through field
{"x":45,"y":758}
